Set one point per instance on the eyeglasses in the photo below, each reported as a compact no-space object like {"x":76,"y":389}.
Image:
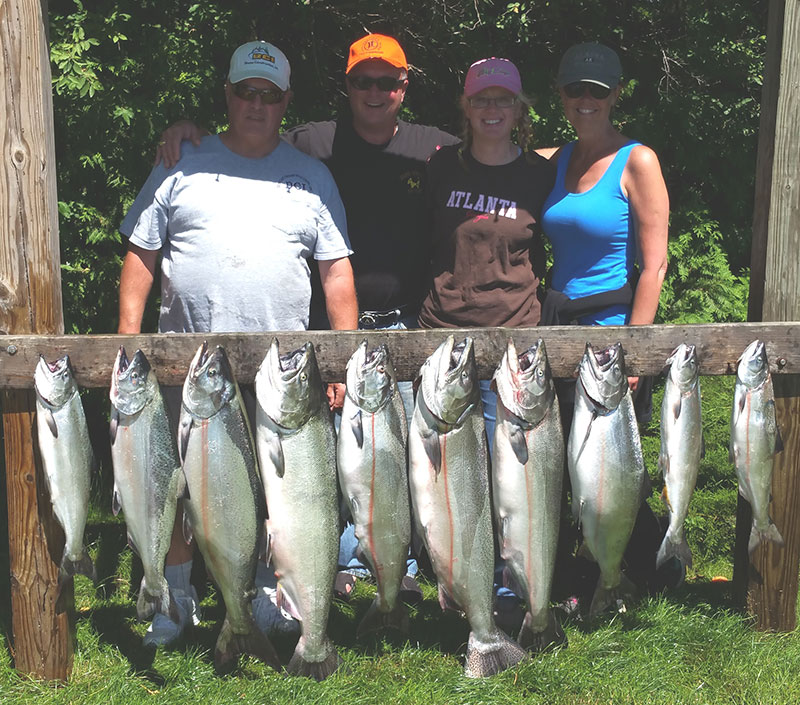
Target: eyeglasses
{"x":385,"y":84}
{"x":503,"y":101}
{"x":577,"y":89}
{"x":269,"y":96}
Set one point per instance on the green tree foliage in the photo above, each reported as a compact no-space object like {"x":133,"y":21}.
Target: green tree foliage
{"x":124,"y":70}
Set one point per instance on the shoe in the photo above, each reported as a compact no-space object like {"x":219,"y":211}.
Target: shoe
{"x":269,"y":617}
{"x":163,"y":631}
{"x":508,"y":613}
{"x":343,"y":585}
{"x":410,"y":592}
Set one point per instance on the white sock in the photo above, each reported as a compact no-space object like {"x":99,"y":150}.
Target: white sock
{"x":179,"y":577}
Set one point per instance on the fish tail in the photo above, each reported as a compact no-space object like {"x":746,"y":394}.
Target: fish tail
{"x":757,"y":536}
{"x":318,"y":668}
{"x":230,"y":645}
{"x":607,"y":597}
{"x":537,"y":641}
{"x":377,"y":620}
{"x":671,"y":548}
{"x":161,"y":601}
{"x":70,"y":568}
{"x":485,"y":658}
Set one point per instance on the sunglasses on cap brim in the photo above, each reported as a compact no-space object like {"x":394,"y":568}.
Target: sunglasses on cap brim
{"x":578,"y":88}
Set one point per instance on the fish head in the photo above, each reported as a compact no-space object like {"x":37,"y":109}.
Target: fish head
{"x":602,"y":376}
{"x":753,"y":369}
{"x":289,"y":387}
{"x":54,"y":381}
{"x":133,"y":382}
{"x":370,"y":377}
{"x":524,"y":383}
{"x":210,"y":384}
{"x":683,"y":367}
{"x":450,"y":380}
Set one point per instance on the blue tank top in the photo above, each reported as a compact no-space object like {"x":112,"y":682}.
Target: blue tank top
{"x":594,"y":245}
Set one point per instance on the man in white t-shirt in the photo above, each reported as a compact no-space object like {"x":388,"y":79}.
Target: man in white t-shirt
{"x":235,"y":222}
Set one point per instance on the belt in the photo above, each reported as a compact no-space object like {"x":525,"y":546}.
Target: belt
{"x":381,"y":319}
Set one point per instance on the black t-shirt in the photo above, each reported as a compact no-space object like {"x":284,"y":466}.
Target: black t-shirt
{"x":487,"y":252}
{"x":383,"y":191}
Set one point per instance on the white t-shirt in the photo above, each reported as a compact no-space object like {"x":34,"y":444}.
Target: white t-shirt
{"x":235,"y":234}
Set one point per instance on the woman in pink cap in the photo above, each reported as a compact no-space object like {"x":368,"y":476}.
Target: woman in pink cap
{"x":485,"y":197}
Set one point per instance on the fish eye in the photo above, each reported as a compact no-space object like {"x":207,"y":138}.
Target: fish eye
{"x":212,"y":371}
{"x":381,"y":369}
{"x":303,"y":376}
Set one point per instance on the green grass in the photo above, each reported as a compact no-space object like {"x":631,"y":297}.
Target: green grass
{"x":689,"y":646}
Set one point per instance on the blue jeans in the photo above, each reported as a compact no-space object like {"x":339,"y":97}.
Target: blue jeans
{"x":348,"y":543}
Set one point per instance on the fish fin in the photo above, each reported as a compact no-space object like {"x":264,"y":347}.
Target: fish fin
{"x":671,"y":548}
{"x":588,"y":431}
{"x":664,"y":465}
{"x":446,"y":600}
{"x":519,"y":444}
{"x":433,"y":450}
{"x":113,"y":425}
{"x":375,"y":620}
{"x":188,"y":532}
{"x":550,"y":637}
{"x":274,"y":449}
{"x":585,"y":552}
{"x":604,"y":598}
{"x":317,"y":670}
{"x":757,"y":537}
{"x":184,"y":429}
{"x":265,"y":552}
{"x":284,"y":600}
{"x":357,"y":427}
{"x":230,"y":645}
{"x":116,"y":502}
{"x":665,"y":498}
{"x":676,"y":408}
{"x":146,"y":603}
{"x":577,"y":511}
{"x":732,"y":453}
{"x":778,"y":440}
{"x":487,"y":658}
{"x":51,"y":422}
{"x":132,"y":545}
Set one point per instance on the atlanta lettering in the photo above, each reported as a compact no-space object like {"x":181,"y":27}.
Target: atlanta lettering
{"x":482,"y":203}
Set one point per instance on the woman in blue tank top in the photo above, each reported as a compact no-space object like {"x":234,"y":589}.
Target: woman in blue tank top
{"x":609,"y":208}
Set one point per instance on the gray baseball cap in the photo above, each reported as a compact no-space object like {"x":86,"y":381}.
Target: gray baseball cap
{"x":592,"y":62}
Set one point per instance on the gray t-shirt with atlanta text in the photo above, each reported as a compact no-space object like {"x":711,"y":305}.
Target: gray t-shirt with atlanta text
{"x":235,"y":235}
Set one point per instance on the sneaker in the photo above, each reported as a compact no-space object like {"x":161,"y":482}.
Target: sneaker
{"x":163,"y":631}
{"x":269,"y":617}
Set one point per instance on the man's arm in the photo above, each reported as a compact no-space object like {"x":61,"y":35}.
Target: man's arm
{"x":135,"y":282}
{"x":336,"y":276}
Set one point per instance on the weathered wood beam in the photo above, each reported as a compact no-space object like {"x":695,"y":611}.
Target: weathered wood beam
{"x":769,"y":578}
{"x":646,"y":349}
{"x":30,"y":302}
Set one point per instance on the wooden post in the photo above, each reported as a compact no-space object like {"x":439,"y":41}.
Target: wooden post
{"x":30,"y":301}
{"x":769,"y":578}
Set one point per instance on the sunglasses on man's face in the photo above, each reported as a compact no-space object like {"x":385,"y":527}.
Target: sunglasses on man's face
{"x":577,"y":89}
{"x":269,"y":96}
{"x":384,"y":83}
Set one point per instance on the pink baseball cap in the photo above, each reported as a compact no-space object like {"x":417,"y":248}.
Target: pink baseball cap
{"x":492,"y":73}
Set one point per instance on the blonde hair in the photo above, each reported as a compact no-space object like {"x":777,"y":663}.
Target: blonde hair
{"x":523,"y":125}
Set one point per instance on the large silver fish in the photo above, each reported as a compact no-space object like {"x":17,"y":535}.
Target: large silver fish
{"x":147,"y":474}
{"x":224,"y":505}
{"x":373,"y":474}
{"x":681,"y":449}
{"x":606,"y":468}
{"x":527,"y":476}
{"x":297,"y":451}
{"x":67,"y":458}
{"x":449,"y":481}
{"x":755,"y":439}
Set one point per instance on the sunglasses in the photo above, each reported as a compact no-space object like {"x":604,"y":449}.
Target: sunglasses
{"x":577,"y":89}
{"x":504,"y":101}
{"x":384,"y":83}
{"x":269,"y":96}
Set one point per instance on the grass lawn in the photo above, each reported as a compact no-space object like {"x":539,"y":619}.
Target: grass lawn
{"x":687,"y":646}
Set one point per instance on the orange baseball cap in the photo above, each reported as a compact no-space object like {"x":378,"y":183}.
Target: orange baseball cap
{"x":377,"y":46}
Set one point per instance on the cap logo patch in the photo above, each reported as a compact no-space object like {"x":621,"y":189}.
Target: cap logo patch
{"x":492,"y":72}
{"x":371,"y":45}
{"x":261,"y":54}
